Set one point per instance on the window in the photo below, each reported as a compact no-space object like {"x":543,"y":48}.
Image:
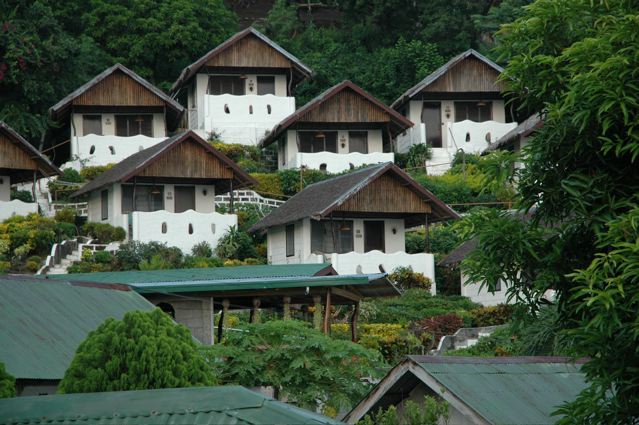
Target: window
{"x":104,"y":199}
{"x":225,"y":84}
{"x":290,"y":240}
{"x":498,"y":286}
{"x":265,"y":85}
{"x":327,"y":239}
{"x":131,"y":125}
{"x":474,"y":111}
{"x":358,"y":141}
{"x":318,"y":141}
{"x":92,"y":124}
{"x":147,"y":198}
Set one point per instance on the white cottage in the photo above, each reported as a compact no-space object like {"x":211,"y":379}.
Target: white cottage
{"x":459,"y":107}
{"x":20,"y":162}
{"x":240,"y":89}
{"x":343,"y":128}
{"x":166,"y":193}
{"x":112,"y":116}
{"x":356,"y":221}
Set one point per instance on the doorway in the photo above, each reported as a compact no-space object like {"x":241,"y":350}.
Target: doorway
{"x":432,"y":118}
{"x":374,"y":236}
{"x":184,"y":198}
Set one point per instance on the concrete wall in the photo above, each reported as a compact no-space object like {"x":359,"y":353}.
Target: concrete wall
{"x":16,"y":207}
{"x":482,"y":296}
{"x":196,"y":313}
{"x":276,"y":243}
{"x":94,"y":150}
{"x":288,"y":148}
{"x":5,"y":188}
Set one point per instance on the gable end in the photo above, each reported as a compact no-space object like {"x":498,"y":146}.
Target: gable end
{"x":118,"y":89}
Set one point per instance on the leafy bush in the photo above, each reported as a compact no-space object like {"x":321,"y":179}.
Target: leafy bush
{"x":431,"y":329}
{"x":290,"y":179}
{"x":195,"y":262}
{"x":90,"y":173}
{"x":235,"y":245}
{"x":144,"y":350}
{"x":65,"y":215}
{"x":501,"y":342}
{"x":301,"y":364}
{"x":104,"y":232}
{"x":7,"y":383}
{"x":60,"y":191}
{"x":21,"y":195}
{"x":33,"y":263}
{"x":393,"y":341}
{"x":430,"y":412}
{"x":406,"y":278}
{"x":418,"y":155}
{"x":131,"y":254}
{"x":27,"y":235}
{"x":202,"y":249}
{"x":492,"y":316}
{"x":268,"y":185}
{"x":237,"y":152}
{"x":415,"y":304}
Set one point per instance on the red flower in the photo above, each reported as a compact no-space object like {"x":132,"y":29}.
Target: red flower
{"x":22,"y":62}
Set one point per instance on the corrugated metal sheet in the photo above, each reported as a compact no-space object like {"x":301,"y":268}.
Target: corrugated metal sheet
{"x":42,"y":322}
{"x":199,"y":405}
{"x":510,"y":392}
{"x":210,"y":274}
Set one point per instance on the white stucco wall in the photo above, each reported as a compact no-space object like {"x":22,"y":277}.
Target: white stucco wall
{"x":16,"y":207}
{"x":5,"y":188}
{"x":482,"y":296}
{"x":276,"y":244}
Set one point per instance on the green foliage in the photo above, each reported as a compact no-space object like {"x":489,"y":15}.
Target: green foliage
{"x":202,"y":249}
{"x":60,"y":191}
{"x":249,"y":158}
{"x":430,"y":330}
{"x":144,"y":350}
{"x":131,"y":254}
{"x":393,"y":341}
{"x":406,"y":278}
{"x":21,"y":195}
{"x":415,"y":304}
{"x":302,"y":364}
{"x":65,"y":215}
{"x":104,"y":232}
{"x":7,"y":383}
{"x":500,"y":13}
{"x":430,"y":412}
{"x":268,"y":185}
{"x":293,"y":180}
{"x":235,"y":245}
{"x":502,"y":342}
{"x":90,"y":173}
{"x":24,"y":236}
{"x":418,"y":155}
{"x":493,"y":315}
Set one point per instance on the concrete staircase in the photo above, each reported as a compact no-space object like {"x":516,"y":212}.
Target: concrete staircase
{"x":65,"y":263}
{"x":440,"y":162}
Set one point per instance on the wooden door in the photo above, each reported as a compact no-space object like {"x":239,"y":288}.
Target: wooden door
{"x":184,"y":198}
{"x":432,"y":117}
{"x":374,"y":236}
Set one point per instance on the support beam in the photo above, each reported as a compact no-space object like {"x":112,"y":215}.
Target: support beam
{"x":287,"y":308}
{"x":317,"y":314}
{"x":327,"y":313}
{"x":220,"y":326}
{"x":354,"y":318}
{"x":255,"y":312}
{"x":346,"y":294}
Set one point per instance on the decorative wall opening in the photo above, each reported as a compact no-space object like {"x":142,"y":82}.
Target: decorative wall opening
{"x":190,"y":228}
{"x":167,"y":308}
{"x":164,"y":227}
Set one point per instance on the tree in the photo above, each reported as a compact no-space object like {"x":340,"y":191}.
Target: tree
{"x":577,"y":62}
{"x":301,"y":364}
{"x":144,"y":350}
{"x":7,"y":383}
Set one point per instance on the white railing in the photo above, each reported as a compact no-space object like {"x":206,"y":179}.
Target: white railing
{"x":244,"y":119}
{"x":413,"y":136}
{"x":81,"y":208}
{"x":370,"y":262}
{"x":474,"y":137}
{"x":16,"y":207}
{"x":94,"y":150}
{"x":183,"y":230}
{"x":338,"y":162}
{"x":248,"y":197}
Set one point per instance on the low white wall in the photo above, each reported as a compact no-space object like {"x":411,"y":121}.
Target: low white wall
{"x":478,"y":133}
{"x":369,"y":262}
{"x":413,"y":136}
{"x":336,"y":162}
{"x":209,"y":227}
{"x":16,"y":207}
{"x":482,"y":296}
{"x":123,"y":147}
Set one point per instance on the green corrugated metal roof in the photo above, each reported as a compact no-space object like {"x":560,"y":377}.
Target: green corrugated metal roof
{"x":198,"y":405}
{"x":213,"y":273}
{"x":42,"y":322}
{"x":509,"y":391}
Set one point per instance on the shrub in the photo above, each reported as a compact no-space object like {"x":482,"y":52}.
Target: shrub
{"x":144,"y":350}
{"x":235,"y":245}
{"x":393,"y":341}
{"x":430,"y":412}
{"x":104,"y":233}
{"x":268,"y":185}
{"x":418,"y":155}
{"x":27,"y":235}
{"x":90,"y":173}
{"x":502,"y":342}
{"x":290,"y":179}
{"x":7,"y":383}
{"x":21,"y":195}
{"x":238,"y":152}
{"x":60,"y":191}
{"x":202,"y":249}
{"x":131,"y":254}
{"x":65,"y":215}
{"x":406,"y":278}
{"x":431,"y":329}
{"x":33,"y":263}
{"x":66,"y":230}
{"x":195,"y":262}
{"x":492,"y":316}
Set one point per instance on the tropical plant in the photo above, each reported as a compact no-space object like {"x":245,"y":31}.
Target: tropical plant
{"x":7,"y":383}
{"x":235,"y":245}
{"x":144,"y":350}
{"x":104,"y":232}
{"x":406,"y":278}
{"x":430,"y":412}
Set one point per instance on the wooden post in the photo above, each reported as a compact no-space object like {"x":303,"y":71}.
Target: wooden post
{"x":327,"y":313}
{"x":354,"y":318}
{"x":427,"y":236}
{"x":221,"y":324}
{"x":287,"y":308}
{"x":255,"y":312}
{"x":317,"y":315}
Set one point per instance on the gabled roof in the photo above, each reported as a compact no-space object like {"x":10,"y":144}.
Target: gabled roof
{"x":192,"y":69}
{"x":43,"y":322}
{"x":131,"y":166}
{"x":318,"y":200}
{"x":398,"y":121}
{"x":45,"y":167}
{"x":532,"y":123}
{"x":495,"y":391}
{"x":431,"y":78}
{"x":61,"y":108}
{"x":228,"y":404}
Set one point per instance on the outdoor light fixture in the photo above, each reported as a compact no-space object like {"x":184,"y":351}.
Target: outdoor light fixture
{"x":344,"y":227}
{"x":320,"y":135}
{"x":343,"y":141}
{"x":204,"y":192}
{"x":481,"y":103}
{"x":155,"y":191}
{"x":251,"y":85}
{"x":447,"y":111}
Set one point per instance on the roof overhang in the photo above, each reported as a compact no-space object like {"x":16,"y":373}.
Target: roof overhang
{"x":45,"y":167}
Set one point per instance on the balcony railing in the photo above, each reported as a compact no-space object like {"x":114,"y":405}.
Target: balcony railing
{"x":94,"y":150}
{"x":16,"y":207}
{"x":183,"y":230}
{"x":338,"y":162}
